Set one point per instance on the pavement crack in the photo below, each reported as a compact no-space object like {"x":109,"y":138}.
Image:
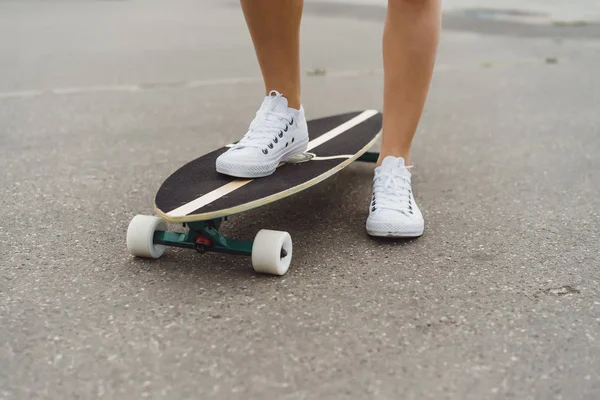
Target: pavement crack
{"x":562,"y":291}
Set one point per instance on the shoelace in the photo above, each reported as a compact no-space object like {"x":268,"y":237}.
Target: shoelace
{"x":267,"y":127}
{"x":392,"y":192}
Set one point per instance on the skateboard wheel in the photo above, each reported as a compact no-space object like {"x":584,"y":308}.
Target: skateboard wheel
{"x":272,"y":252}
{"x":140,"y":236}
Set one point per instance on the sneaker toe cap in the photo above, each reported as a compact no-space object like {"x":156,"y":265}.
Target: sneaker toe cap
{"x":241,"y":154}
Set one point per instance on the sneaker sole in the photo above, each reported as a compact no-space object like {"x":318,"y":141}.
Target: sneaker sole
{"x":260,"y":170}
{"x":399,"y":231}
{"x":395,"y":234}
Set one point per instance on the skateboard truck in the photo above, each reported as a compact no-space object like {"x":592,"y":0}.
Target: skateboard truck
{"x":203,"y":236}
{"x":271,"y":251}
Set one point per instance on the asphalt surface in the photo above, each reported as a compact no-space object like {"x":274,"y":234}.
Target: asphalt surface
{"x":101,"y":101}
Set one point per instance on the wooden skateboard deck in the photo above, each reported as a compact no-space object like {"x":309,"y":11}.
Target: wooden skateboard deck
{"x":197,"y":192}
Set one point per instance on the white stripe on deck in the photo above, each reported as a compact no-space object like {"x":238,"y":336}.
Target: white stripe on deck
{"x":317,"y":158}
{"x":216,"y":194}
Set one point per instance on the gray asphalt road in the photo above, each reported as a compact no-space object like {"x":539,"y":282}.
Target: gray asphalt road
{"x":100,"y":101}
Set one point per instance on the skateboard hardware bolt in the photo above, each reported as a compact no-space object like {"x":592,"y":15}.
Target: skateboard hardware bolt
{"x":202,"y":243}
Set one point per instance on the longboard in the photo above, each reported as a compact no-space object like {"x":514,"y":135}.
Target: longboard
{"x":199,"y":197}
{"x":196,"y":192}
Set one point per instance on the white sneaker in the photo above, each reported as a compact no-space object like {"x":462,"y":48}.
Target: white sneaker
{"x":393,"y":211}
{"x":276,"y":134}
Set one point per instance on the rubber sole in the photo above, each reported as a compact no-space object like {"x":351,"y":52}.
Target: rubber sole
{"x":406,"y":235}
{"x":246,"y":170}
{"x":407,"y":230}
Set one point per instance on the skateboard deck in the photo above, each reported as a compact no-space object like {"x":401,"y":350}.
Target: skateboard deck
{"x":197,"y":192}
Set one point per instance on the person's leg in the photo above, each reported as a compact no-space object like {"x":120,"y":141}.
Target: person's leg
{"x":279,"y":130}
{"x":274,"y":26}
{"x":410,"y":42}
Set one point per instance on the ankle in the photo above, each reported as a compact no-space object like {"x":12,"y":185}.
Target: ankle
{"x":294,"y":102}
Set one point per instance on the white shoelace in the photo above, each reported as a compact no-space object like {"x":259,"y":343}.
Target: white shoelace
{"x":265,"y":128}
{"x":392,"y":191}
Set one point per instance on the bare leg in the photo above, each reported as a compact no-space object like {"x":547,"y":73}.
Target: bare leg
{"x":279,"y":130}
{"x":410,"y":42}
{"x":275,"y":30}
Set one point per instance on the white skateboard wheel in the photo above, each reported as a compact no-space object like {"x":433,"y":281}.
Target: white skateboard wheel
{"x":140,"y":236}
{"x":272,"y":252}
